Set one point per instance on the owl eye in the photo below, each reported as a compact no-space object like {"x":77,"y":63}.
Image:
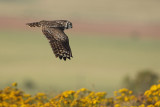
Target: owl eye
{"x":68,"y":25}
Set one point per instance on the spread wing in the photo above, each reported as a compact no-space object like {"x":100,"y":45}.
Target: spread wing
{"x":59,"y":42}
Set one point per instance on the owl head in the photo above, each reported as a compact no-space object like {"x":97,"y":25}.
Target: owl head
{"x":68,"y":25}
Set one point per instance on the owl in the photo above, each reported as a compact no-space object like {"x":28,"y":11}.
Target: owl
{"x":54,"y":32}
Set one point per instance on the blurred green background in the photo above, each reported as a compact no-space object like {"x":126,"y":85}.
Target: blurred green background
{"x":109,"y":40}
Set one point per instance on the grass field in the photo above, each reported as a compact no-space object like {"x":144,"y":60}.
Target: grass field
{"x":97,"y":60}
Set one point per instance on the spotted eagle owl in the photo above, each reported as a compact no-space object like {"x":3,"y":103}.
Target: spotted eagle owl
{"x":54,"y":32}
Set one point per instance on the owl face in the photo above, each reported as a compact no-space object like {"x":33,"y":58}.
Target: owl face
{"x":68,"y":25}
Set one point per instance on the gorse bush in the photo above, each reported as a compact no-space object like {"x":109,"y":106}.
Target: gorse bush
{"x":14,"y":97}
{"x":142,"y":81}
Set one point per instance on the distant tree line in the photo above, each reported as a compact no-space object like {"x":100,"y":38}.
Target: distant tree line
{"x":142,"y":81}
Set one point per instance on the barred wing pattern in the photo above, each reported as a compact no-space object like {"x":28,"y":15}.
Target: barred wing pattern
{"x":58,"y":41}
{"x":57,"y":24}
{"x":62,"y":24}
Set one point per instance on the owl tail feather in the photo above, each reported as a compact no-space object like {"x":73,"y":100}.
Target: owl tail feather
{"x":34,"y":24}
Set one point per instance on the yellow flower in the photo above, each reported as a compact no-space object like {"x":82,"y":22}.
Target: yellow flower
{"x":148,"y":93}
{"x":28,"y":100}
{"x":71,"y":92}
{"x":119,"y":97}
{"x":100,"y":94}
{"x":132,"y":97}
{"x":149,"y":99}
{"x":13,"y":97}
{"x":123,"y":94}
{"x":117,"y":105}
{"x":130,"y":92}
{"x":153,"y":88}
{"x":91,"y":94}
{"x":157,"y":104}
{"x":95,"y":101}
{"x":150,"y":105}
{"x":115,"y":93}
{"x":41,"y":94}
{"x":142,"y":105}
{"x":13,"y":105}
{"x":158,"y":86}
{"x":26,"y":95}
{"x":83,"y":89}
{"x":123,"y":90}
{"x":67,"y":93}
{"x":155,"y":98}
{"x":14,"y":84}
{"x":126,"y":99}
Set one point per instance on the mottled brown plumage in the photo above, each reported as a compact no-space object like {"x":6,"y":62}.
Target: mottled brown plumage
{"x":54,"y":32}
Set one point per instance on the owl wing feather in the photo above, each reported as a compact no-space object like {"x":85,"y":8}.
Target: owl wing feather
{"x":57,"y":24}
{"x":59,"y":42}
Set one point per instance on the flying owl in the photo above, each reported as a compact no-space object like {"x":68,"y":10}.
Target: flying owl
{"x":54,"y":32}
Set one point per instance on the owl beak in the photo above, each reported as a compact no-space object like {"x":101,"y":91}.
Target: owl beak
{"x":70,"y":26}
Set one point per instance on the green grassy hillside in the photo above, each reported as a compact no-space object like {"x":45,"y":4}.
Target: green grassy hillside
{"x":97,"y":60}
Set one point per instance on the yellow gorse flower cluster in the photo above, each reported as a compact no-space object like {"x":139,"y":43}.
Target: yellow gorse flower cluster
{"x":14,"y":97}
{"x":125,"y":97}
{"x":153,"y":95}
